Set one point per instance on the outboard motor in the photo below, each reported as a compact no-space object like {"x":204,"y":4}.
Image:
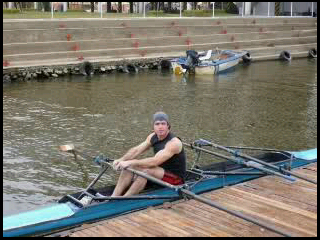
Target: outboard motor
{"x":192,"y":59}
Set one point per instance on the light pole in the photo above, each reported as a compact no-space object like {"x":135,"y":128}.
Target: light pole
{"x":51,"y":9}
{"x":213,"y":9}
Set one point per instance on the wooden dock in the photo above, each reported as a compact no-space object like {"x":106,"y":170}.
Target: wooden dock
{"x":291,"y":207}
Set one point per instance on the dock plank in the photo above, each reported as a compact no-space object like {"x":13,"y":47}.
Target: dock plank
{"x":268,"y":214}
{"x":289,"y":206}
{"x":278,"y":197}
{"x":167,"y":228}
{"x":249,"y":196}
{"x":214,"y":217}
{"x":181,"y":222}
{"x":198,"y":222}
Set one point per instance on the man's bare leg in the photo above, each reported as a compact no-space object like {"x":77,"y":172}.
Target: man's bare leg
{"x":140,"y":182}
{"x":137,"y":186}
{"x":123,"y":182}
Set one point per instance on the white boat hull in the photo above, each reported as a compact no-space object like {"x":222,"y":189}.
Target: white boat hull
{"x":216,"y":69}
{"x":209,"y":67}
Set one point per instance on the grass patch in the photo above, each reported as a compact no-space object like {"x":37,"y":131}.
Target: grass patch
{"x":30,"y":14}
{"x":10,"y":11}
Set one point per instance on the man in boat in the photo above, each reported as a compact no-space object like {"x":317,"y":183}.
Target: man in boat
{"x":168,"y":164}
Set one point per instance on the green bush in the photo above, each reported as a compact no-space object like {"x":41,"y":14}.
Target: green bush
{"x":155,"y":13}
{"x":197,"y":13}
{"x":172,"y":11}
{"x":11,"y":10}
{"x":75,"y":10}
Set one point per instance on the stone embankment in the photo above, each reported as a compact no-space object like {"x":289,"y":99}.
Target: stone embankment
{"x":49,"y":48}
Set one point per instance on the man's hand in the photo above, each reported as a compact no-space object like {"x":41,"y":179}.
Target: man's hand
{"x":125,"y":164}
{"x":115,"y":164}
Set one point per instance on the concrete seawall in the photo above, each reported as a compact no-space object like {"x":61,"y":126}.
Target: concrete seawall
{"x":50,"y":42}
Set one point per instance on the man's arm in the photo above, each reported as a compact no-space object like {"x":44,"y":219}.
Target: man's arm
{"x":173,"y":147}
{"x":135,"y":151}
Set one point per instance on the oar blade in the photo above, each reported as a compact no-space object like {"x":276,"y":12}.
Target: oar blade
{"x":66,"y":148}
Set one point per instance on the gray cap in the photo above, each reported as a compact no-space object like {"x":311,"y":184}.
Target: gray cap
{"x":160,"y":116}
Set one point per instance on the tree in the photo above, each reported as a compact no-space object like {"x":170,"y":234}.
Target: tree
{"x":120,"y":7}
{"x":184,"y":6}
{"x":153,"y":5}
{"x":92,"y":6}
{"x":46,"y":6}
{"x":131,"y":7}
{"x":194,"y":5}
{"x":108,"y":6}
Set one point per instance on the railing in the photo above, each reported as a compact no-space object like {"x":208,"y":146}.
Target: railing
{"x":148,"y":9}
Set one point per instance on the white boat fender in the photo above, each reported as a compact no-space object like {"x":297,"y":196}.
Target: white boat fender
{"x":247,"y":58}
{"x":313,"y":53}
{"x":285,"y":55}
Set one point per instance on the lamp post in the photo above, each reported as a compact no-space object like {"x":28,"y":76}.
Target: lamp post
{"x":51,"y":9}
{"x":213,"y":9}
{"x":242,"y":8}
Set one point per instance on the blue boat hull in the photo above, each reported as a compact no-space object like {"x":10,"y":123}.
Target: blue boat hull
{"x":69,"y":215}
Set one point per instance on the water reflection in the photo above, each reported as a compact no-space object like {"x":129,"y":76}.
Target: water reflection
{"x":268,"y":104}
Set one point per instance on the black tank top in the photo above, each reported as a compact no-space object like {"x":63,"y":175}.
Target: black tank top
{"x":177,"y":163}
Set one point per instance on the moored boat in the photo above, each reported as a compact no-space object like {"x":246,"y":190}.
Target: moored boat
{"x":70,"y":211}
{"x":210,"y":62}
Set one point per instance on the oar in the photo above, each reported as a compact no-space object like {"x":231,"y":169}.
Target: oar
{"x":70,"y":148}
{"x":258,"y":161}
{"x":240,"y":161}
{"x":204,"y":200}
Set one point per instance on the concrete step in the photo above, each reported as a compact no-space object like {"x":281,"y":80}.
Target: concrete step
{"x":21,"y":48}
{"x":145,"y":50}
{"x":81,"y":33}
{"x":45,"y":41}
{"x":10,"y":24}
{"x":278,"y":49}
{"x":257,"y":54}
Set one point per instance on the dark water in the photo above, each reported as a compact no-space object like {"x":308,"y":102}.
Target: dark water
{"x":268,"y":104}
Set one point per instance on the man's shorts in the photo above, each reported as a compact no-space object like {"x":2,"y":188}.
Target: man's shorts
{"x":172,"y":178}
